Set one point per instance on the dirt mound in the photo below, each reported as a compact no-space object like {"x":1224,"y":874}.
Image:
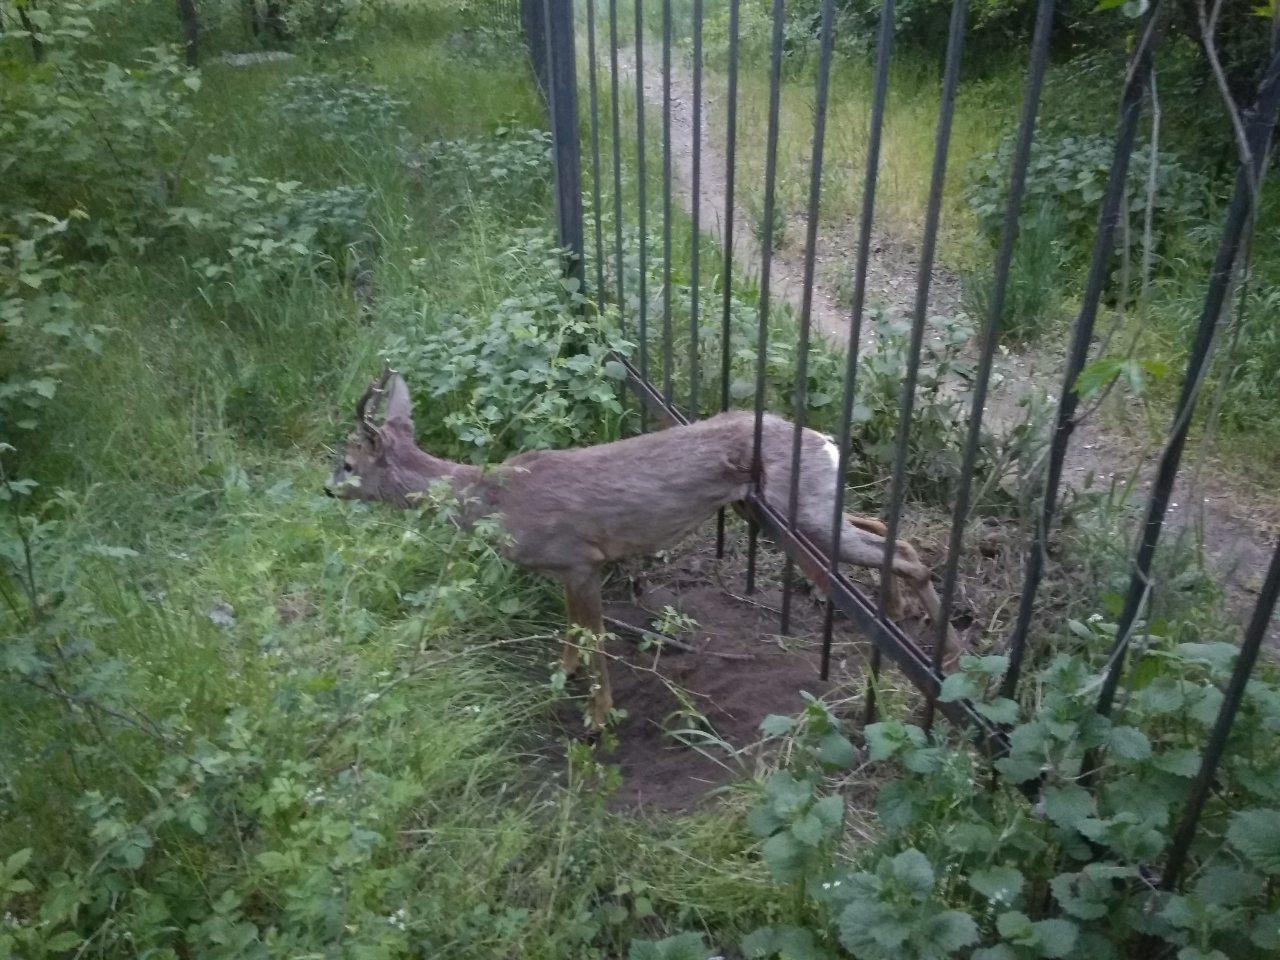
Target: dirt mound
{"x":692,"y":718}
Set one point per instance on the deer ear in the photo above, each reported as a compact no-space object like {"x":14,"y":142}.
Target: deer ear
{"x":399,"y":406}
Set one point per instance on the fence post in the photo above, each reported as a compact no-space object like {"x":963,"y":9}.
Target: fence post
{"x":533,"y":24}
{"x":548,"y":27}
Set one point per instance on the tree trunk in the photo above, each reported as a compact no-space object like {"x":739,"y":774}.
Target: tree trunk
{"x":254,"y":17}
{"x":274,"y":22}
{"x":190,"y":24}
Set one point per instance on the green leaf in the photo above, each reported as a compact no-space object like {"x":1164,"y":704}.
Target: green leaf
{"x":65,"y":940}
{"x":1180,"y":763}
{"x":830,"y":810}
{"x":1129,"y":742}
{"x":959,"y":686}
{"x":835,"y":750}
{"x":762,"y":821}
{"x":1019,"y":768}
{"x":808,"y":829}
{"x":1015,"y":925}
{"x":952,"y":930}
{"x":912,"y":869}
{"x":1256,"y":834}
{"x":13,"y":866}
{"x":999,"y":710}
{"x":614,"y":370}
{"x":683,"y":946}
{"x":1000,"y":951}
{"x":1054,"y":937}
{"x":783,"y":855}
{"x":999,"y":884}
{"x":776,"y":725}
{"x":1067,"y":806}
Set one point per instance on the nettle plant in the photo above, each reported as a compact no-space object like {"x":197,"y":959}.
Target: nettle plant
{"x":969,"y":866}
{"x":532,"y":372}
{"x":256,"y":230}
{"x":338,"y":107}
{"x":514,"y":163}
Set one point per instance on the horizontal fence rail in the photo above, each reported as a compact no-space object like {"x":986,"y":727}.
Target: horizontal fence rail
{"x":550,"y":32}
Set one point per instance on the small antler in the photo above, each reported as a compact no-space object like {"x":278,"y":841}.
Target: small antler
{"x":376,"y":391}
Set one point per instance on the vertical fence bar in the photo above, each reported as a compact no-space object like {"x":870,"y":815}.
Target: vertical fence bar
{"x":562,"y":98}
{"x":730,"y":168}
{"x":1022,"y":151}
{"x":950,"y":83}
{"x":766,"y":268}
{"x":616,"y":121}
{"x":1232,"y":697}
{"x":666,"y":200}
{"x":866,"y":219}
{"x":1259,"y":124}
{"x":695,"y":339}
{"x":641,"y":177}
{"x":595,"y":150}
{"x":534,"y":23}
{"x":1139,"y":75}
{"x":806,"y":301}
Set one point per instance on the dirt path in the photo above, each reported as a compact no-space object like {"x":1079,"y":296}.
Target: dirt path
{"x":1239,"y":521}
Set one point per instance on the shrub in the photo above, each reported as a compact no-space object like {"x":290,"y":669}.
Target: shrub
{"x":338,"y":107}
{"x":511,"y":167}
{"x":1066,"y":178}
{"x":40,"y":323}
{"x":529,"y":373}
{"x":95,"y":143}
{"x":251,"y":231}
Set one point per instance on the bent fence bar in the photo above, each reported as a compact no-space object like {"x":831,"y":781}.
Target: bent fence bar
{"x":549,"y":27}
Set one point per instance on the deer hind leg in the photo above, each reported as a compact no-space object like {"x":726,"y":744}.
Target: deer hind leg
{"x":586,"y":610}
{"x":862,"y":543}
{"x":893,"y":606}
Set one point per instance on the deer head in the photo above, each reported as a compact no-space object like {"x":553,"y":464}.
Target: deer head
{"x":372,"y":462}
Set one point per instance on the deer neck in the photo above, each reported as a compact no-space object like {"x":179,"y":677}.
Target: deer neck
{"x":414,"y":471}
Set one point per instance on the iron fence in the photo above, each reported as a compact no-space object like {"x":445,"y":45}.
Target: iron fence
{"x":550,"y":31}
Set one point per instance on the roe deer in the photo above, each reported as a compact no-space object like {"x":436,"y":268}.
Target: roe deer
{"x":568,"y":512}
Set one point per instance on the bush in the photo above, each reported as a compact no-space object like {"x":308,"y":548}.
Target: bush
{"x":40,"y":323}
{"x":338,"y":107}
{"x":512,"y":167}
{"x":92,"y":142}
{"x":252,"y":231}
{"x":531,"y":373}
{"x":1066,"y":179}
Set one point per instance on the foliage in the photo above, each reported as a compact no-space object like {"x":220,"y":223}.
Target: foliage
{"x":1064,"y":877}
{"x":338,"y":107}
{"x":530,"y":374}
{"x":257,"y":230}
{"x":1066,"y":179}
{"x":91,"y":141}
{"x":41,"y":324}
{"x":1031,"y":293}
{"x":510,"y":167}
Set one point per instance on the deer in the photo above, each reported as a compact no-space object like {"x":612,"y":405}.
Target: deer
{"x":566,"y":513}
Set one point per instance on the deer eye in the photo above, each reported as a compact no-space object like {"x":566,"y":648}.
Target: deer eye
{"x":347,"y":468}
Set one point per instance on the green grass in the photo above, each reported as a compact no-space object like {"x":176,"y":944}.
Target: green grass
{"x":303,"y":725}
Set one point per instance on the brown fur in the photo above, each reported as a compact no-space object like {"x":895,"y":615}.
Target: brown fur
{"x":569,"y":512}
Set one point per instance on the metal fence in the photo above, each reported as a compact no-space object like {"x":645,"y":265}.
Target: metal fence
{"x":550,"y":26}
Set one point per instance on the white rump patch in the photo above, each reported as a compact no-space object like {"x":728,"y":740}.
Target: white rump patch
{"x":832,"y":450}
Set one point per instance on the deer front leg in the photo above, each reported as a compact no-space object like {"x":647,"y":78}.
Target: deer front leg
{"x":586,"y":610}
